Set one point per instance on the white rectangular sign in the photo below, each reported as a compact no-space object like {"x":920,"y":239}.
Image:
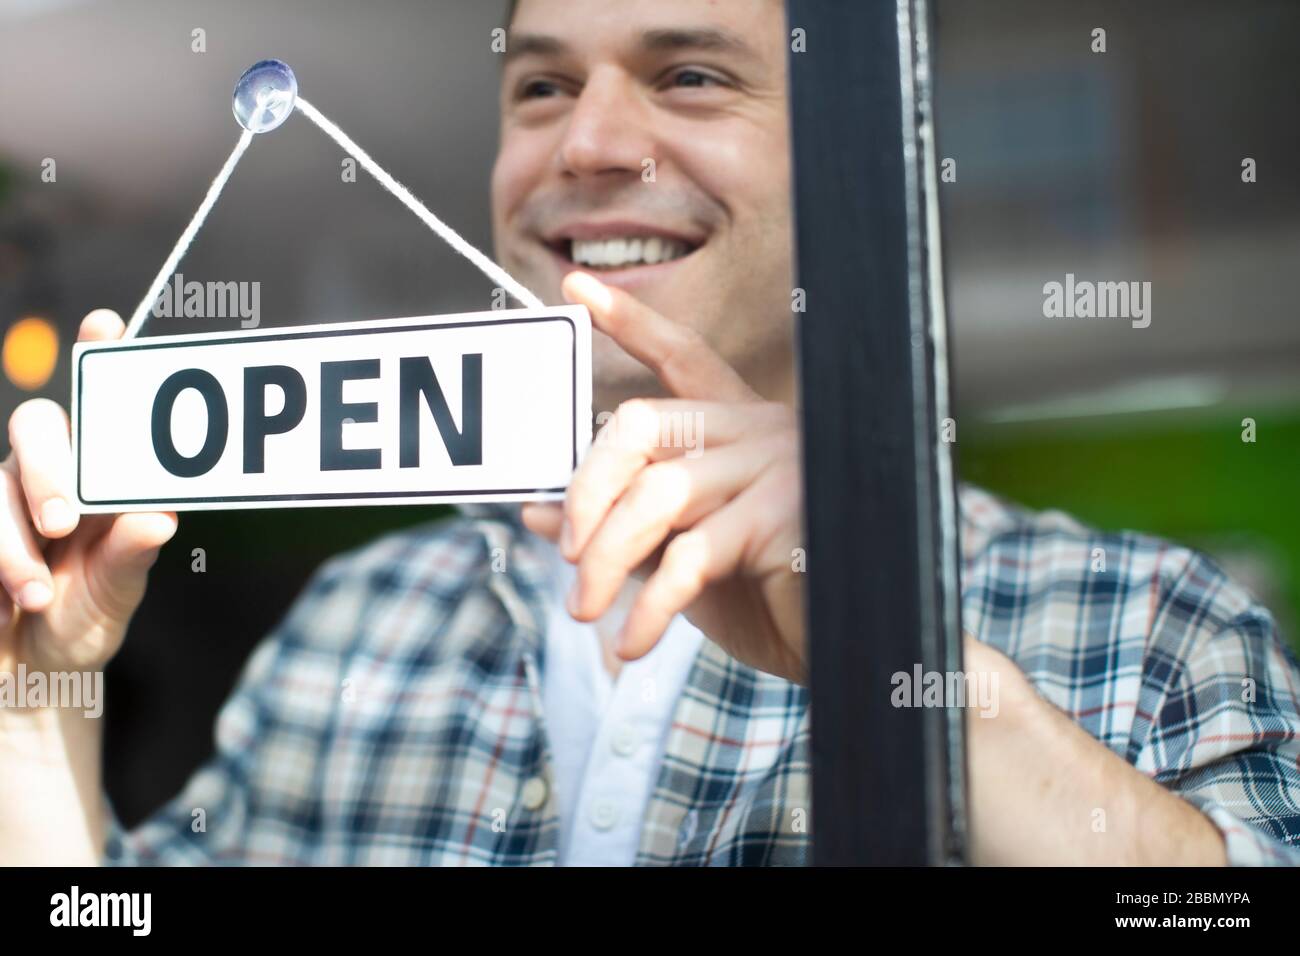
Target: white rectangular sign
{"x":485,"y":406}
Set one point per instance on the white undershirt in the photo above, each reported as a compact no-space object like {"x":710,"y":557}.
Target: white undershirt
{"x":607,"y":736}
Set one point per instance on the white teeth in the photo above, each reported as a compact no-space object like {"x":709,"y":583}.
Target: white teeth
{"x":634,"y":250}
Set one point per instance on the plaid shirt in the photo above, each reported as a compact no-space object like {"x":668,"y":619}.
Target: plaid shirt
{"x":394,"y":716}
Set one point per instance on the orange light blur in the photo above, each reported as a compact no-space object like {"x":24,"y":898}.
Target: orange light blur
{"x":30,"y":352}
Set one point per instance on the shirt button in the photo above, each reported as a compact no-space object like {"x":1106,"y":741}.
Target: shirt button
{"x":533,"y":795}
{"x":625,"y":740}
{"x":604,"y":814}
{"x":686,"y":832}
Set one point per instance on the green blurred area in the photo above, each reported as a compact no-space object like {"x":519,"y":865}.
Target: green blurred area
{"x":1188,"y":477}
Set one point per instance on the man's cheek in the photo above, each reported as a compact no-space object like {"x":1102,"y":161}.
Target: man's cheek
{"x":617,"y":375}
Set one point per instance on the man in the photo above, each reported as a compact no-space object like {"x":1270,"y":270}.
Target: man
{"x":629,"y":687}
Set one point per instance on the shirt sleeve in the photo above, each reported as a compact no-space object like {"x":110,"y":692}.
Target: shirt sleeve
{"x":1225,"y":732}
{"x":263,"y":762}
{"x":205,"y":824}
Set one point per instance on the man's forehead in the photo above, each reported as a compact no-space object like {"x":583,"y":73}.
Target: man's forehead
{"x":557,"y":27}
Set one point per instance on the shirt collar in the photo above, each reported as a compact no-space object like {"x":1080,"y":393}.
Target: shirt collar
{"x":518,"y":573}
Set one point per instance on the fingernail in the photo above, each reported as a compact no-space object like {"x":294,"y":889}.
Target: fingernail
{"x":56,"y":516}
{"x":566,"y":537}
{"x":564,"y":285}
{"x":34,"y":596}
{"x":571,"y":602}
{"x":592,"y":288}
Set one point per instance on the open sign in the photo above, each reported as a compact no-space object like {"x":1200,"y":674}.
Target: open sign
{"x":476,"y":407}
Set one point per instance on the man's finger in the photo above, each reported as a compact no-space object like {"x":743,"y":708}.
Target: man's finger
{"x":543,"y":518}
{"x":607,"y":470}
{"x":644,"y":431}
{"x":133,"y":537}
{"x":38,"y":434}
{"x":663,"y":498}
{"x":101,"y":325}
{"x":22,"y":567}
{"x":692,"y":561}
{"x":120,"y":560}
{"x":677,"y":354}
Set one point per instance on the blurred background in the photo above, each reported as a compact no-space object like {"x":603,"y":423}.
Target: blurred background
{"x":1122,"y":165}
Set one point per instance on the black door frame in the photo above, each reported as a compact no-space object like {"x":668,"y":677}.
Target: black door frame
{"x":883,"y":592}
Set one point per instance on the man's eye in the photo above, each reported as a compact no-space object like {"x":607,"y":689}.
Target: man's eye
{"x":537,"y":89}
{"x":693,"y":78}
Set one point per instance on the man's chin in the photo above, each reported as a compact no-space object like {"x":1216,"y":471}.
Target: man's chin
{"x":608,"y":391}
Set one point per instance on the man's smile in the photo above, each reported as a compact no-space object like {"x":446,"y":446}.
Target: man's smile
{"x":623,"y":252}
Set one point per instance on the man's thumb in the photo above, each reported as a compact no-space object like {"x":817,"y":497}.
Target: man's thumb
{"x":125,"y":554}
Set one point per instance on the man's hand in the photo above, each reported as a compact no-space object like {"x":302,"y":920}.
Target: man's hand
{"x":714,"y":533}
{"x":69,"y":589}
{"x":1044,"y":792}
{"x":69,"y":586}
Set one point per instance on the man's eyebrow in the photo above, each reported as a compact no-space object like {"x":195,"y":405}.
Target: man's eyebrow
{"x":538,"y":44}
{"x":656,"y":41}
{"x":696,"y":38}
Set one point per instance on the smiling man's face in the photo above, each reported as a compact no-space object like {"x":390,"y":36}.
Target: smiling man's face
{"x":646,"y":141}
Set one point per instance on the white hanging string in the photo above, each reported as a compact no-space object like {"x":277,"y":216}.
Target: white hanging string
{"x":183,"y":243}
{"x":453,"y":238}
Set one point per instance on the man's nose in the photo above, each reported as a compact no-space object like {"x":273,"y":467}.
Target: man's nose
{"x":608,"y":129}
